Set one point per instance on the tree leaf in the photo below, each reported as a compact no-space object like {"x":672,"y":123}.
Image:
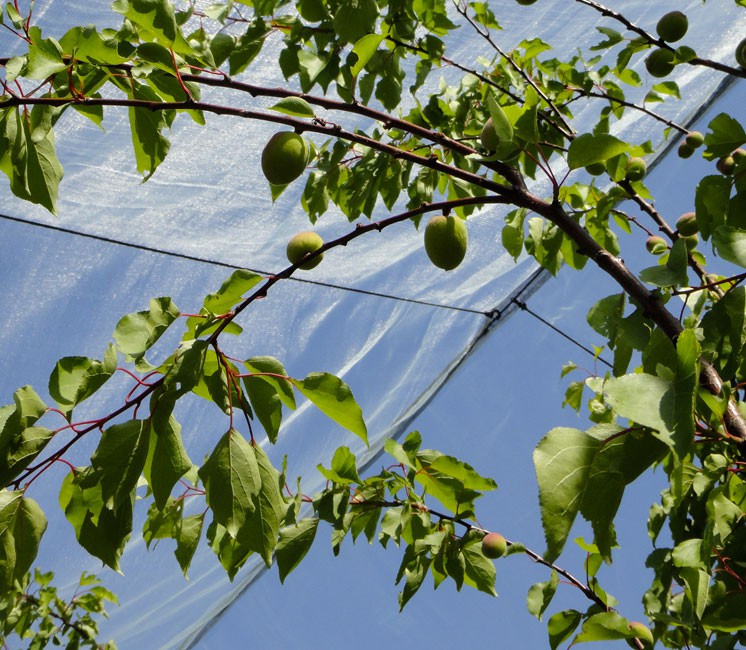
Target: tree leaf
{"x":169,"y":460}
{"x":334,"y":398}
{"x":295,"y":541}
{"x":561,"y":626}
{"x":562,"y":459}
{"x":479,"y":571}
{"x":74,"y":379}
{"x":259,"y":532}
{"x":540,"y":595}
{"x":188,"y":534}
{"x":364,"y":49}
{"x":294,"y":106}
{"x":590,"y":148}
{"x":344,"y":467}
{"x":232,"y":481}
{"x":120,"y":458}
{"x":135,"y":333}
{"x":22,"y":524}
{"x":276,"y":376}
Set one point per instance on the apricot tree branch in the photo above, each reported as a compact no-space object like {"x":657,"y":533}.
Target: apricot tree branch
{"x":443,"y":206}
{"x":654,"y":40}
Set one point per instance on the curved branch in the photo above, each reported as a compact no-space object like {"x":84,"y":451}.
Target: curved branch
{"x":443,"y":206}
{"x":654,"y":40}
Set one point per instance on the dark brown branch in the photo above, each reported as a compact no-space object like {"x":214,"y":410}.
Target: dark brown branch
{"x":261,"y":292}
{"x":654,"y":40}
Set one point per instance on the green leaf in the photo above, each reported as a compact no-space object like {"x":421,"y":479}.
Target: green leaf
{"x":562,"y":460}
{"x":187,"y":368}
{"x":260,"y":531}
{"x":674,"y":273}
{"x":561,"y":626}
{"x":463,"y":472}
{"x":479,"y":571}
{"x":157,"y":20}
{"x":276,"y":376}
{"x":188,"y":534}
{"x":266,"y":403}
{"x":355,"y":18}
{"x":29,"y":160}
{"x":730,"y":244}
{"x":334,"y":398}
{"x":590,"y":148}
{"x":21,"y":450}
{"x":86,"y":44}
{"x":364,"y":49}
{"x":101,"y":531}
{"x":232,"y":481}
{"x":344,"y":467}
{"x":726,"y":134}
{"x":294,"y":106}
{"x":295,"y":541}
{"x":44,"y":56}
{"x":168,"y":461}
{"x":135,"y":333}
{"x":606,"y":626}
{"x":120,"y":458}
{"x":540,"y":595}
{"x":22,"y":524}
{"x":414,"y":567}
{"x":74,"y":379}
{"x":656,"y":403}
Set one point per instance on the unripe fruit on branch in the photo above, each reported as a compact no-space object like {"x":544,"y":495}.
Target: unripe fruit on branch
{"x":725,"y":165}
{"x":694,"y":139}
{"x":494,"y":545}
{"x":660,"y":63}
{"x":284,"y":157}
{"x":738,"y":155}
{"x":741,"y":53}
{"x":672,"y":26}
{"x":685,"y":151}
{"x":691,"y":242}
{"x":302,"y":243}
{"x":445,"y":241}
{"x":656,"y":245}
{"x":636,"y":169}
{"x":642,"y":633}
{"x":686,"y":224}
{"x":489,"y":138}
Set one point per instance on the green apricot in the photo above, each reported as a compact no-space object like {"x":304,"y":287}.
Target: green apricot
{"x":301,"y":244}
{"x":694,"y":139}
{"x":636,"y":169}
{"x":656,"y":245}
{"x":660,"y":63}
{"x":494,"y":545}
{"x":643,"y":633}
{"x":726,"y":165}
{"x":685,"y":151}
{"x":672,"y":26}
{"x":741,"y":53}
{"x":738,"y":155}
{"x":284,"y":157}
{"x":445,"y":241}
{"x":687,"y":225}
{"x":691,"y":242}
{"x":489,"y":138}
{"x":595,"y":169}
